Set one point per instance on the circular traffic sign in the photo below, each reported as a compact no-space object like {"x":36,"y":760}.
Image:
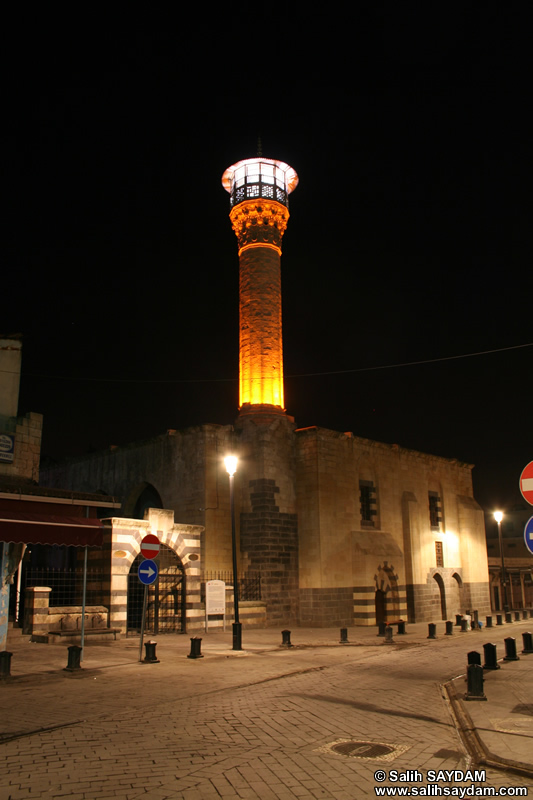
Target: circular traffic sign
{"x":150,"y":546}
{"x":147,"y":572}
{"x":528,"y":534}
{"x":526,"y":483}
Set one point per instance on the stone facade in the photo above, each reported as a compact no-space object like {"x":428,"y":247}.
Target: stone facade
{"x":343,"y":530}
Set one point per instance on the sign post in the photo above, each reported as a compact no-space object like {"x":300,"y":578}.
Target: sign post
{"x":147,"y":573}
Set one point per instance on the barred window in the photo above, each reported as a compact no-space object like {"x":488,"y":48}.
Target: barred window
{"x":435,"y":508}
{"x":368,"y":502}
{"x":439,"y":555}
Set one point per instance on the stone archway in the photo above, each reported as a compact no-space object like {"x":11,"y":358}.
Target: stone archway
{"x":166,"y":598}
{"x":442,"y":591}
{"x":181,"y":546}
{"x":387,"y":600}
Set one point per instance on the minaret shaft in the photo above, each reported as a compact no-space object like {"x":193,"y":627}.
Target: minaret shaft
{"x":260,"y":333}
{"x":259,"y":190}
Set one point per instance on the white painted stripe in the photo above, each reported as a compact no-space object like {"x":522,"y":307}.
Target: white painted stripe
{"x":527,"y":485}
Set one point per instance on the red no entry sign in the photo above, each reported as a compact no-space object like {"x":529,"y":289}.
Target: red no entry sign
{"x":150,"y":546}
{"x":526,"y":483}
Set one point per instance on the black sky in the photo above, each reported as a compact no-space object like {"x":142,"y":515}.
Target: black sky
{"x":409,"y":237}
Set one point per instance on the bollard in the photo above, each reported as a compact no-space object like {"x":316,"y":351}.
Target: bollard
{"x":525,"y":613}
{"x":449,"y":628}
{"x":499,"y":619}
{"x":196,"y":648}
{"x":517,"y":616}
{"x":491,"y":660}
{"x":475,"y":619}
{"x":401,"y":627}
{"x":5,"y":664}
{"x":527,"y":640}
{"x":510,"y":649}
{"x":286,"y":639}
{"x":458,"y":618}
{"x":388,"y":635}
{"x":473,"y":657}
{"x":464,"y":626}
{"x":432,"y":631}
{"x":508,"y":616}
{"x":489,"y":622}
{"x":344,"y":636}
{"x":382,"y":626}
{"x":475,"y":682}
{"x":150,"y":656}
{"x":74,"y":656}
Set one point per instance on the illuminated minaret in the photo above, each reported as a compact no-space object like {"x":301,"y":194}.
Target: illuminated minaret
{"x":259,"y":189}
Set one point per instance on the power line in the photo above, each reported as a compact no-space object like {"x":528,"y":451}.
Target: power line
{"x":296,"y":375}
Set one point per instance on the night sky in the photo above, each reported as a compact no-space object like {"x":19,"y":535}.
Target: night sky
{"x":409,"y":239}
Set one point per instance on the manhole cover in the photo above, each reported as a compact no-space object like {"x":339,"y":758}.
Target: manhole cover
{"x":366,"y":751}
{"x":362,"y":749}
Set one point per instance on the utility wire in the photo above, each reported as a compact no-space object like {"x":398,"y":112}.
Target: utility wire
{"x":296,"y":375}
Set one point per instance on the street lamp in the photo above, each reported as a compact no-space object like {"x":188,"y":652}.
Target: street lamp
{"x":498,"y":516}
{"x":231,"y":468}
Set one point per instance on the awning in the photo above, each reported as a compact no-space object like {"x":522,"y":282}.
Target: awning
{"x":27,"y":528}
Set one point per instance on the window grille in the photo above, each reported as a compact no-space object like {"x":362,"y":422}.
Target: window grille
{"x":435,"y":510}
{"x":368,"y":502}
{"x":439,"y":554}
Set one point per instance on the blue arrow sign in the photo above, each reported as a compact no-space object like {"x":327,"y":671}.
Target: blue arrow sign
{"x":528,"y":534}
{"x":148,"y":572}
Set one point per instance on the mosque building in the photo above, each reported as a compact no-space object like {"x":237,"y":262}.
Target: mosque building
{"x":331,"y":528}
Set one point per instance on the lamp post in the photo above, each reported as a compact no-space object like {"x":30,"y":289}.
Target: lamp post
{"x":498,"y":516}
{"x":231,"y":468}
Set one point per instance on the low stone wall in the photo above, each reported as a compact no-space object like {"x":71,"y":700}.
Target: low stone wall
{"x":63,"y":623}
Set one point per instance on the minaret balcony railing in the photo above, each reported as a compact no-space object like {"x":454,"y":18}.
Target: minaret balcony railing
{"x":251,"y":191}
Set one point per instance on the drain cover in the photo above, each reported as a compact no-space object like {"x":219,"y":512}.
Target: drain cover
{"x":362,"y":749}
{"x":366,"y":751}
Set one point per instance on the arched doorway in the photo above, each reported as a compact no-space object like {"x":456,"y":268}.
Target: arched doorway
{"x":386,"y":597}
{"x":442,"y":590}
{"x":165,"y":611}
{"x":381,"y":600}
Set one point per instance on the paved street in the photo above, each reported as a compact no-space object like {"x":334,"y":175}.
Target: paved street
{"x":259,"y":724}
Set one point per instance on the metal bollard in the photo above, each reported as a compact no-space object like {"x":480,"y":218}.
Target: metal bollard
{"x":196,"y":648}
{"x":473,"y":657}
{"x":527,"y":640}
{"x":510,"y":649}
{"x":458,"y":618}
{"x":474,"y":677}
{"x":74,"y":657}
{"x":489,"y":622}
{"x":150,"y":656}
{"x":449,"y":628}
{"x":401,"y":627}
{"x":5,"y":664}
{"x":464,"y":626}
{"x":517,"y":616}
{"x":499,"y":619}
{"x":508,"y":616}
{"x":388,"y":635}
{"x":525,"y":613}
{"x":344,"y":636}
{"x":382,"y":626}
{"x":432,"y":631}
{"x":286,"y":639}
{"x":491,"y":659}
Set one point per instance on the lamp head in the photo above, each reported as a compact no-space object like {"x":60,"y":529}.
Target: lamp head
{"x":231,"y":464}
{"x":498,"y":516}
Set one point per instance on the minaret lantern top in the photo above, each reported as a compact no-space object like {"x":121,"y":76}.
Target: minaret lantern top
{"x":259,"y":177}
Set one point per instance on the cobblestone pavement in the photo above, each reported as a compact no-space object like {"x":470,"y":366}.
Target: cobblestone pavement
{"x":254,"y":725}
